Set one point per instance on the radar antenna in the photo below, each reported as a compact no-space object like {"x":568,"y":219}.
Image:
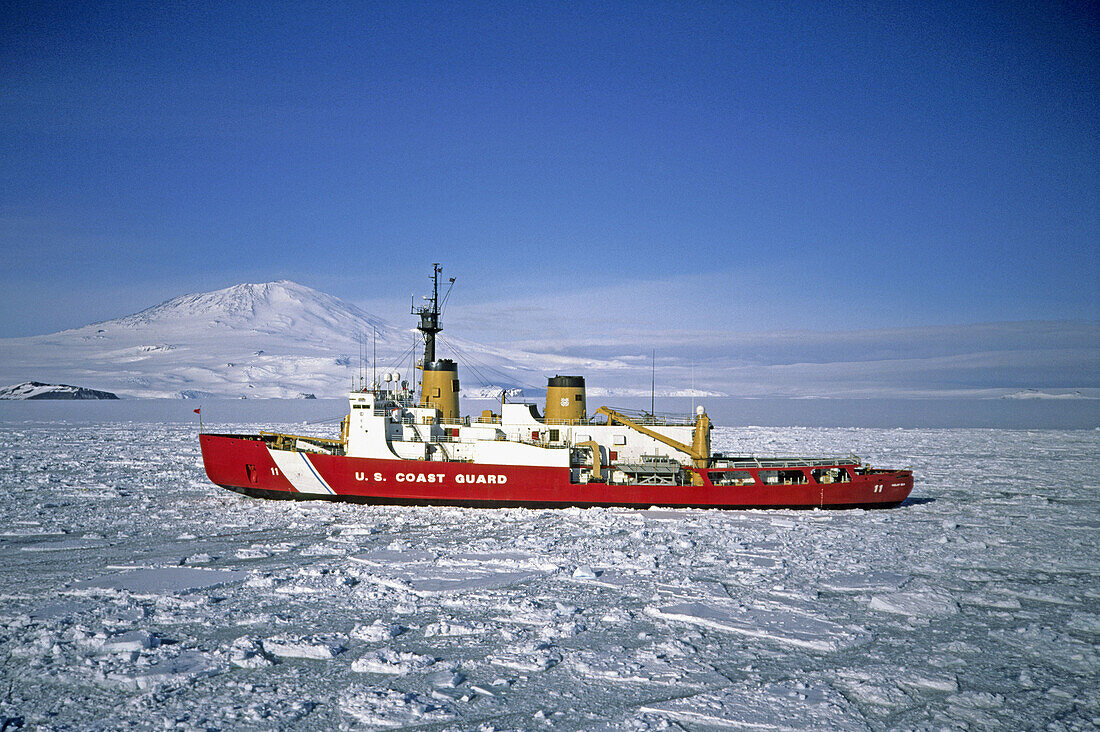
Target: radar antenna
{"x":429,"y":316}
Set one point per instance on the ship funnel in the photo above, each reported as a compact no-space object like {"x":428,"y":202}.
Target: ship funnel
{"x":565,"y":402}
{"x":439,"y":387}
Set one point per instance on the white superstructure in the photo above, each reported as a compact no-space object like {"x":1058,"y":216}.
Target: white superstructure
{"x":388,"y":424}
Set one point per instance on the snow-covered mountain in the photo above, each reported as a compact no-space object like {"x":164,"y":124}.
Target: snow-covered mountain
{"x":271,"y":307}
{"x":282,"y":339}
{"x":275,"y":339}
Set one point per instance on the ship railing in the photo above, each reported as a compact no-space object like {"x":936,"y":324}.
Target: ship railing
{"x":657,"y":419}
{"x":780,"y":462}
{"x":500,"y":438}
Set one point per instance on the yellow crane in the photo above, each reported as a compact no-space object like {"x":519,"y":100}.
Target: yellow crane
{"x":699,"y":449}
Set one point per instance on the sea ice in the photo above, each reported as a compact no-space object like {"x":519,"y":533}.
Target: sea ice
{"x":459,"y":618}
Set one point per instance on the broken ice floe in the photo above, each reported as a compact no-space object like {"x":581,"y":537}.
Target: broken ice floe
{"x":864,"y":582}
{"x":444,"y":628}
{"x":381,"y":708}
{"x":185,"y":667}
{"x":247,"y":652}
{"x":391,"y":557}
{"x":915,"y":604}
{"x":377,"y":631}
{"x":789,"y":706}
{"x":389,"y":661}
{"x":781,"y":626}
{"x":663,"y":664}
{"x":168,"y":580}
{"x":317,"y":647}
{"x":448,"y":679}
{"x":513,"y":560}
{"x":134,"y":640}
{"x":527,"y":657}
{"x":424,"y":573}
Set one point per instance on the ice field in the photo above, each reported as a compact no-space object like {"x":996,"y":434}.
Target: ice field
{"x":135,"y":594}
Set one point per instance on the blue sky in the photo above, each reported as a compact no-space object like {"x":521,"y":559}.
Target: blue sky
{"x":747,"y":166}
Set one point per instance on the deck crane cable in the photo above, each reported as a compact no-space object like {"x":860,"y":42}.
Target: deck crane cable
{"x":471,"y":360}
{"x":399,"y":361}
{"x":474,"y":364}
{"x":469,"y":363}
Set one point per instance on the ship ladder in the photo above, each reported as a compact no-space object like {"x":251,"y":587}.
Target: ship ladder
{"x":419,"y":436}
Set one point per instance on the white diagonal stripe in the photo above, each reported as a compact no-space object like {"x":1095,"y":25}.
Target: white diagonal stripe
{"x":295,"y":466}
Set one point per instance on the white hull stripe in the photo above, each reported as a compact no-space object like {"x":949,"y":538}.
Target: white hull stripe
{"x":297,"y":469}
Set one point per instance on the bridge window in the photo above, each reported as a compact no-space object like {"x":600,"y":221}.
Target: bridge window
{"x":620,"y":439}
{"x":783,"y":477}
{"x":831,"y":475}
{"x":731,"y":477}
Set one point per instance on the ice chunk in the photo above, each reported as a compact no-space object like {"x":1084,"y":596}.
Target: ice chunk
{"x":247,"y":652}
{"x":58,"y":610}
{"x":661,"y":665}
{"x":184,"y":667}
{"x":865,"y":582}
{"x":930,"y":683}
{"x":134,"y":640}
{"x":392,"y":557}
{"x":782,"y":626}
{"x":1085,"y":622}
{"x":389,"y":661}
{"x":317,"y":647}
{"x":915,"y":604}
{"x":443,"y":628}
{"x":67,"y":544}
{"x":772,"y":706}
{"x":377,"y":631}
{"x":162,"y":581}
{"x":445,"y":679}
{"x":428,"y":580}
{"x":527,"y":657}
{"x":381,"y":708}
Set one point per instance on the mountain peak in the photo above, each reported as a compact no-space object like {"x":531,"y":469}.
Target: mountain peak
{"x":265,"y":306}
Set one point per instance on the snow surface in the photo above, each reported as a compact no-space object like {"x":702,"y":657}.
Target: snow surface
{"x":135,"y":594}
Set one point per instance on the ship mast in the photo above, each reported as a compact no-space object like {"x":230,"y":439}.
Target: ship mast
{"x":429,"y":317}
{"x":439,"y":378}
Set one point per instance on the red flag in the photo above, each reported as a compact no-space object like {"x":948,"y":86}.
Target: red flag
{"x":198,"y":411}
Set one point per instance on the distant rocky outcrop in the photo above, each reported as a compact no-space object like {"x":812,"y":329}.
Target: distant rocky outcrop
{"x":38,"y":390}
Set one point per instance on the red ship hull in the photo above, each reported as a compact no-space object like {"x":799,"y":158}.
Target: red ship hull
{"x":245,"y":464}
